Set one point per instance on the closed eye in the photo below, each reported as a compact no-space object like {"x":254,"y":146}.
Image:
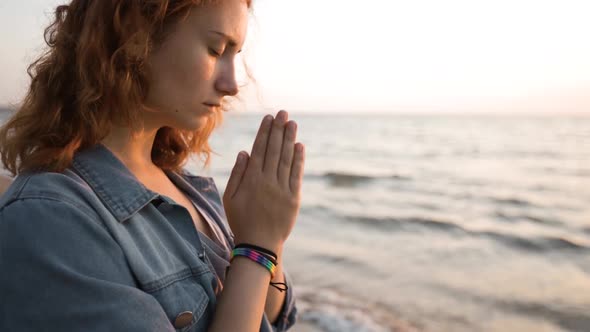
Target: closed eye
{"x":214,"y":53}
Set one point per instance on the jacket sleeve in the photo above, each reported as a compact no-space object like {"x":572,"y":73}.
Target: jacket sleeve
{"x":62,"y":271}
{"x":288,"y":315}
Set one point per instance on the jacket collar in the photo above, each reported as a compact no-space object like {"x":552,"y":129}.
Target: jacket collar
{"x":118,"y":189}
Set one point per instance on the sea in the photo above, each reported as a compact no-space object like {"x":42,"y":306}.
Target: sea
{"x":435,"y":222}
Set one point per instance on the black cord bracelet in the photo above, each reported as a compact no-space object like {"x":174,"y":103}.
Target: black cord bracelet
{"x":273,"y":284}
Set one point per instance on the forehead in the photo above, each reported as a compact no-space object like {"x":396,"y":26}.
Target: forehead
{"x":228,"y":17}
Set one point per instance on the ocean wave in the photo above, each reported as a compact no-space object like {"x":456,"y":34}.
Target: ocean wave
{"x":534,"y":244}
{"x":543,"y":188}
{"x":566,"y":316}
{"x":333,"y":311}
{"x":316,"y":208}
{"x":345,"y":179}
{"x":349,"y":262}
{"x":407,"y":223}
{"x":584,"y":173}
{"x":539,"y":244}
{"x":534,"y":219}
{"x":511,"y":201}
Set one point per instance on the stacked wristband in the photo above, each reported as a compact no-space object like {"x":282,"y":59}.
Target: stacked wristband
{"x":257,"y":257}
{"x":260,"y":250}
{"x":264,"y":257}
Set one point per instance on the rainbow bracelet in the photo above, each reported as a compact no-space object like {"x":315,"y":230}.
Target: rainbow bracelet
{"x":257,"y":257}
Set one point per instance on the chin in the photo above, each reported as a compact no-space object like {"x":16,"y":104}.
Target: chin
{"x":196,"y":122}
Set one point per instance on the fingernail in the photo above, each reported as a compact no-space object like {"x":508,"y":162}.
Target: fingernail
{"x":240,"y":157}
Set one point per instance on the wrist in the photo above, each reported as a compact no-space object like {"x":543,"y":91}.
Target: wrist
{"x":275,"y":247}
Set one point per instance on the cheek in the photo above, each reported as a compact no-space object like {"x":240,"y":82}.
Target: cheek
{"x":195,"y":72}
{"x":206,"y":66}
{"x":181,"y":78}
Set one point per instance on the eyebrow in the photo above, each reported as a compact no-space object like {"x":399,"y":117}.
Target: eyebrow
{"x":231,"y":41}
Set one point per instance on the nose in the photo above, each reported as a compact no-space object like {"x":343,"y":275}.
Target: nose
{"x":226,"y":83}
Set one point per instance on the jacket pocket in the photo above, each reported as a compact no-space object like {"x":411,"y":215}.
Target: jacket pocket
{"x":184,"y":300}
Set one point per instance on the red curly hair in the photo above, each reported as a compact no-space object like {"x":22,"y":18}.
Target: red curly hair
{"x":92,"y":76}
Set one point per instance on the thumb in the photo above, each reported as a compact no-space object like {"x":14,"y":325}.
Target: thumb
{"x":236,"y":175}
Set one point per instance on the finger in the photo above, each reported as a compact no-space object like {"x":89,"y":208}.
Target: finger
{"x":236,"y":175}
{"x":275,"y":143}
{"x":297,"y":169}
{"x":284,"y":171}
{"x":259,"y":147}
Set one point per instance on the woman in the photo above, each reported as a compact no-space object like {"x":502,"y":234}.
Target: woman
{"x":102,"y":229}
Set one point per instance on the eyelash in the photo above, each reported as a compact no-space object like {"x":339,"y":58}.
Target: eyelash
{"x":213,"y":53}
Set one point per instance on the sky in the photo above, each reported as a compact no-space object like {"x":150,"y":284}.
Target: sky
{"x":506,"y":56}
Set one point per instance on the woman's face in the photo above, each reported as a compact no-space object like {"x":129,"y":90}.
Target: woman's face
{"x":194,"y":67}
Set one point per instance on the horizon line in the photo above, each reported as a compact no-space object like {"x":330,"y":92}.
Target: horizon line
{"x":507,"y":112}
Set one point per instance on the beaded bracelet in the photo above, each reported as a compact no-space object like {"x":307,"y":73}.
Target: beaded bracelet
{"x":260,"y":250}
{"x":257,"y":257}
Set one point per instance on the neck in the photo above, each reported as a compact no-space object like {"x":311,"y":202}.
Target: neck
{"x":134,"y":149}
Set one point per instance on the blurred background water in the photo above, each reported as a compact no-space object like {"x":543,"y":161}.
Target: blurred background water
{"x":436,"y":222}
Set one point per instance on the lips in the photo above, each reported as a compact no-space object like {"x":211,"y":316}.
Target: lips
{"x":212,"y":104}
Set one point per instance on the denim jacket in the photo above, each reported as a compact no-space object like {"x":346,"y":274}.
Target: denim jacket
{"x":92,"y":249}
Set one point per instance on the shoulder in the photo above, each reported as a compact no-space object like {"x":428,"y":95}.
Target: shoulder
{"x":43,"y":210}
{"x":66,"y":190}
{"x":34,"y":222}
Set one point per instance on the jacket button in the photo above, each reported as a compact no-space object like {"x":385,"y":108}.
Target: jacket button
{"x":183,"y":319}
{"x":201,"y":255}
